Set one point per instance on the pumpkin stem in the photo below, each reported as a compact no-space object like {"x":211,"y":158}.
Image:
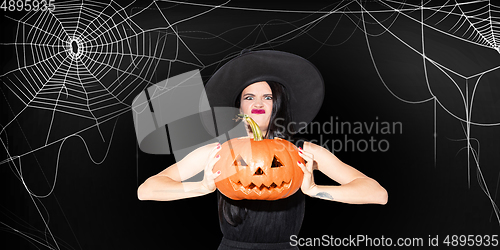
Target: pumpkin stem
{"x":257,"y":133}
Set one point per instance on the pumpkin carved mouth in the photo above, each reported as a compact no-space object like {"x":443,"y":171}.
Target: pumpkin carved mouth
{"x":260,"y":189}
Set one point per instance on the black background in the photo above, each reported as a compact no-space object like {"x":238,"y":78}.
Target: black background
{"x":432,"y":188}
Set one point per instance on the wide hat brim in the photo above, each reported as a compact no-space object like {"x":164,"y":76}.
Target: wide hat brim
{"x":301,"y":79}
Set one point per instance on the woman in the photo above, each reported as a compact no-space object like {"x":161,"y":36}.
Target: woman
{"x":282,"y":92}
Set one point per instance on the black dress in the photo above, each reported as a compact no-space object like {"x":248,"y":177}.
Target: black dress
{"x":264,"y":224}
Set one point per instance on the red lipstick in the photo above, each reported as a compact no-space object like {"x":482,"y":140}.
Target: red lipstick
{"x":258,"y":111}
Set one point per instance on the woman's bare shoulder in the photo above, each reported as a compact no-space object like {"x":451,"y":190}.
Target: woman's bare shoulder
{"x":330,"y":165}
{"x":191,"y":164}
{"x":201,"y":151}
{"x":316,"y":149}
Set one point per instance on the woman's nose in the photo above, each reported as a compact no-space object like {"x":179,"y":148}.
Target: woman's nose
{"x":258,"y":104}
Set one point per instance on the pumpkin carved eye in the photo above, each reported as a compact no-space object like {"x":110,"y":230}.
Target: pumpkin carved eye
{"x":276,"y":162}
{"x":239,"y":161}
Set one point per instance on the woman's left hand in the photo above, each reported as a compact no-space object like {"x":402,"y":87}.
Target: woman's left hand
{"x":308,"y":181}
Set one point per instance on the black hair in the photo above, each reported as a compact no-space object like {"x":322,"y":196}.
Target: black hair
{"x":280,"y":125}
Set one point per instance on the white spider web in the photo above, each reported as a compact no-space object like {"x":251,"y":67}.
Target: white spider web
{"x":84,"y":60}
{"x":477,"y":22}
{"x":474,"y":22}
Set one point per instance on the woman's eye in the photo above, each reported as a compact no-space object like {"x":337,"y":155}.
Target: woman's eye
{"x":269,"y":98}
{"x":248,"y":98}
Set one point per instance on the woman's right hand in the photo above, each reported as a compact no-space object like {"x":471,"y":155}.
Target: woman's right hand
{"x":209,"y":176}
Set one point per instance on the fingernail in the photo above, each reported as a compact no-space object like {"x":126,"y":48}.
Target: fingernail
{"x":218,"y":146}
{"x":298,"y":162}
{"x":300,"y":148}
{"x":218,"y":172}
{"x":217,"y":156}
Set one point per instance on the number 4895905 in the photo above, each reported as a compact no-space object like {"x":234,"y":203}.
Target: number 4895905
{"x":27,"y":5}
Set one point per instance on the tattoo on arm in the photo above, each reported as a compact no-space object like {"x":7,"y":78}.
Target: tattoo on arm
{"x":324,"y":195}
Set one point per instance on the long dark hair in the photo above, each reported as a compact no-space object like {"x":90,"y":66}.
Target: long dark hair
{"x":280,"y":125}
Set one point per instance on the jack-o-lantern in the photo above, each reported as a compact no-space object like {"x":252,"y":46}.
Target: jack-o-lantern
{"x":258,"y":169}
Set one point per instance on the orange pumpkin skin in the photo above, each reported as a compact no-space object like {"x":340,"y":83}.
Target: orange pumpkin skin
{"x":271,"y":170}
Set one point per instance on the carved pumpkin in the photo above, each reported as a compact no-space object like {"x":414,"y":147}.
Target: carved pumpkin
{"x":258,"y":169}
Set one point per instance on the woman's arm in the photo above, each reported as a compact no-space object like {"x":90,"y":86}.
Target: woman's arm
{"x":354,"y":188}
{"x":167,"y":185}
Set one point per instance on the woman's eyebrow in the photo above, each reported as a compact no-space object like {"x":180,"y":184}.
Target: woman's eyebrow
{"x":250,"y":94}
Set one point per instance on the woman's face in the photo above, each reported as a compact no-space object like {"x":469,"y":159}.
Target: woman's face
{"x":257,"y":102}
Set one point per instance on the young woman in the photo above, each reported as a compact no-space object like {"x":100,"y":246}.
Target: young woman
{"x":282,"y":92}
